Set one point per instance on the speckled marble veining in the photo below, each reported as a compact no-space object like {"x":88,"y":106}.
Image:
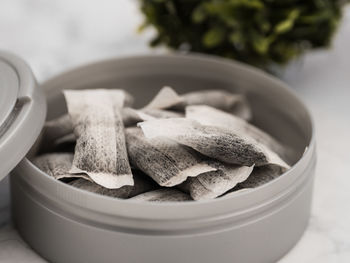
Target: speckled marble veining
{"x":54,"y":36}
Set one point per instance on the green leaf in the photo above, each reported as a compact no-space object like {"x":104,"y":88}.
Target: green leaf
{"x":256,"y":4}
{"x":236,"y":38}
{"x":317,"y":17}
{"x":287,"y":24}
{"x":199,"y":15}
{"x":261,"y":43}
{"x":214,"y":37}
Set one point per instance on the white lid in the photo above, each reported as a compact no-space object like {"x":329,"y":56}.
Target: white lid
{"x":22,"y":111}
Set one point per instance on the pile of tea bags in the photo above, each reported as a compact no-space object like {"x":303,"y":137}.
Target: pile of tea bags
{"x":196,"y":146}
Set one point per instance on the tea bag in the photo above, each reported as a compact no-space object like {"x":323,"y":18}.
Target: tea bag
{"x":213,"y":184}
{"x":100,"y":150}
{"x":220,"y":99}
{"x":162,"y":114}
{"x":261,"y":175}
{"x":65,"y":144}
{"x":165,"y":99}
{"x":127,"y":100}
{"x":207,"y":115}
{"x":122,"y":192}
{"x":61,"y":126}
{"x":57,"y":165}
{"x":54,"y":130}
{"x":142,"y":184}
{"x":166,"y":161}
{"x":163,"y":195}
{"x":131,"y":116}
{"x":67,"y":139}
{"x":215,"y":142}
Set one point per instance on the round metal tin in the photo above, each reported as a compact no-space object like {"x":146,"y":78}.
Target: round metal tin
{"x":65,"y":224}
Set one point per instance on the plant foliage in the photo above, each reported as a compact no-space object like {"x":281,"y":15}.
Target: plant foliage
{"x":259,"y":32}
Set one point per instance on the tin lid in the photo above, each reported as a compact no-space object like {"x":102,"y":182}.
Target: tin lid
{"x":22,"y":111}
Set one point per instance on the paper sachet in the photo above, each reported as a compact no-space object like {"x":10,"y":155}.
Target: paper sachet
{"x":163,"y":195}
{"x":166,"y":161}
{"x":100,"y":150}
{"x":162,"y":114}
{"x":215,"y":142}
{"x":207,"y":115}
{"x":54,"y":130}
{"x":261,"y":175}
{"x":64,"y":144}
{"x":166,"y":98}
{"x":220,"y":99}
{"x":213,"y":184}
{"x":132,"y":116}
{"x":142,"y":184}
{"x":60,"y":130}
{"x":57,"y":165}
{"x":61,"y":126}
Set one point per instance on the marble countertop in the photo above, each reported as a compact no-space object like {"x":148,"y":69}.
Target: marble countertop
{"x":53,"y":36}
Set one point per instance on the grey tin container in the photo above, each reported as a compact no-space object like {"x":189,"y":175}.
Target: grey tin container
{"x":65,"y":224}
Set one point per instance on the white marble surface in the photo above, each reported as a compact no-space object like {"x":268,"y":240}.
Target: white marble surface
{"x":56,"y":35}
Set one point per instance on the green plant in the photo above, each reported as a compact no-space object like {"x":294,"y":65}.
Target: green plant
{"x":259,"y":32}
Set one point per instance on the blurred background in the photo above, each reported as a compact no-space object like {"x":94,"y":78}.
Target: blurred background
{"x":53,"y":36}
{"x":57,"y":35}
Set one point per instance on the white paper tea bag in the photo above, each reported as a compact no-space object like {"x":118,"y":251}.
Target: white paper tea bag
{"x":261,"y":175}
{"x":54,"y":130}
{"x":207,"y":115}
{"x":163,"y":195}
{"x":213,"y":184}
{"x":212,"y":141}
{"x":131,"y":116}
{"x":122,"y":192}
{"x":63,"y":144}
{"x":166,"y":161}
{"x":67,"y":139}
{"x":165,"y":99}
{"x":57,"y":128}
{"x":127,"y":100}
{"x":100,"y":150}
{"x":142,"y":184}
{"x":57,"y":165}
{"x":62,"y":126}
{"x":163,"y":114}
{"x":220,"y":99}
